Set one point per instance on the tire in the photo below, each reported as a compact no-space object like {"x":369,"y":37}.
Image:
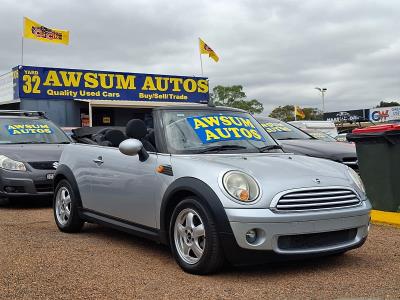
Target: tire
{"x":196,"y":248}
{"x":66,"y":208}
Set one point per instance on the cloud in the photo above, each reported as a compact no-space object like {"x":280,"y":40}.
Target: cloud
{"x":279,"y":50}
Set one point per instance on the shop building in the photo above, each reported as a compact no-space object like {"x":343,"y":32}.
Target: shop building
{"x":74,"y":98}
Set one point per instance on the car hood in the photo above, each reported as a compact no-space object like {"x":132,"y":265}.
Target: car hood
{"x":317,"y":148}
{"x":32,"y":152}
{"x":280,"y":165}
{"x":274,"y":172}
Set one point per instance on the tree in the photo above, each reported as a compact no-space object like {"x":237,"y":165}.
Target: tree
{"x":313,"y":113}
{"x":286,"y":113}
{"x":233,"y":96}
{"x":387,"y":104}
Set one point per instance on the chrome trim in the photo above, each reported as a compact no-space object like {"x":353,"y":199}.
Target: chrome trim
{"x":352,"y":196}
{"x":302,"y":207}
{"x":350,"y":163}
{"x":318,"y":204}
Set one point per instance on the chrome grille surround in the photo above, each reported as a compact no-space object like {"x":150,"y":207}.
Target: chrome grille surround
{"x":315,"y":198}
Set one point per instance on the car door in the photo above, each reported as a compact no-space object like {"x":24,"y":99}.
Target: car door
{"x":122,"y":187}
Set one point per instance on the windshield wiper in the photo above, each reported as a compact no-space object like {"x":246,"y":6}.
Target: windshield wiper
{"x":270,"y":147}
{"x":221,"y":148}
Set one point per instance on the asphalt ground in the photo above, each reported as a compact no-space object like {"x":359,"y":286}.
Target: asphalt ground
{"x":39,"y":262}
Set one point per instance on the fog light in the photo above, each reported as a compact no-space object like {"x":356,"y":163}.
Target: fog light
{"x":251,"y":236}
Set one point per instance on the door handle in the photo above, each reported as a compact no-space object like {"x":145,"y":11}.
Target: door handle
{"x":99,"y":161}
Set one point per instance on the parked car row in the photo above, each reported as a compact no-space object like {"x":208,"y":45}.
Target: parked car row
{"x":293,"y":139}
{"x":211,"y":182}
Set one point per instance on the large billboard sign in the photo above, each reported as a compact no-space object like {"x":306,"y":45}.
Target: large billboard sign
{"x":347,"y":115}
{"x":384,"y":114}
{"x":55,"y":83}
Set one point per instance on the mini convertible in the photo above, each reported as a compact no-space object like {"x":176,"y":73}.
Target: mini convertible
{"x":214,"y":186}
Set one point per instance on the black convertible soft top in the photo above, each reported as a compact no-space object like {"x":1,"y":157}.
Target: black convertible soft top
{"x":89,"y":131}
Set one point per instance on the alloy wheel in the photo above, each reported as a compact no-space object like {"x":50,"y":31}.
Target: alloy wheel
{"x":63,"y":205}
{"x":189,"y":236}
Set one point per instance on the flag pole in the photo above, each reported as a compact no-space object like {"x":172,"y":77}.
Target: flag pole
{"x":22,"y":41}
{"x":22,"y":51}
{"x":201,"y":64}
{"x":201,"y":61}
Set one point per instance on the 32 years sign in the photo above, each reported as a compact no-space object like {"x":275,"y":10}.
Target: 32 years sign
{"x":55,"y":83}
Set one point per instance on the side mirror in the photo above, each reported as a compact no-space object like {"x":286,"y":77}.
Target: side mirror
{"x":133,"y":147}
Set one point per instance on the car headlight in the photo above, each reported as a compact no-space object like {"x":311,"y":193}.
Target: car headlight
{"x":10,"y":164}
{"x":357,"y":179}
{"x":241,"y":186}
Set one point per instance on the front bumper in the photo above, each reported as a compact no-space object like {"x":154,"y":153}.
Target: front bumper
{"x":292,"y":235}
{"x":15,"y":184}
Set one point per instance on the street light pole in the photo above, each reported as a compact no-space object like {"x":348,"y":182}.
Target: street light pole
{"x":322,"y":91}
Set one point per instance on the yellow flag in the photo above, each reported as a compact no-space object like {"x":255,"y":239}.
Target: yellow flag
{"x":299,"y":112}
{"x":205,"y":49}
{"x":36,"y":31}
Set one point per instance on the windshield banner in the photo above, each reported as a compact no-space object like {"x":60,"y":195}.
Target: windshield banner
{"x":275,"y":127}
{"x":217,"y":128}
{"x":54,"y":83}
{"x":17,"y":129}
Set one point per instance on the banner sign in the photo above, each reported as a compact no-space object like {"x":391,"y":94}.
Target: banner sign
{"x":16,"y":129}
{"x":54,"y":83}
{"x":383,"y":114}
{"x":217,"y":128}
{"x":347,"y":115}
{"x":275,"y":127}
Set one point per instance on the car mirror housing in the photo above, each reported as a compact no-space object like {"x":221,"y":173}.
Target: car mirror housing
{"x":133,"y":147}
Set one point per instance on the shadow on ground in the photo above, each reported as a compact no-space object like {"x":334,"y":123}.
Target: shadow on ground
{"x":27,"y":203}
{"x":327,"y":263}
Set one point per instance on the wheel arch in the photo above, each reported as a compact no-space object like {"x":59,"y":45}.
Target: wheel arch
{"x":64,"y":172}
{"x":189,"y":186}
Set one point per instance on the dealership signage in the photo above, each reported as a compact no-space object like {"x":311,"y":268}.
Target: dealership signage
{"x":55,"y":83}
{"x":347,"y":115}
{"x":384,"y":114}
{"x":216,"y":128}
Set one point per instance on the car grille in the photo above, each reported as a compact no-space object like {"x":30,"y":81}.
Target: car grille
{"x":42,"y":165}
{"x":317,"y":198}
{"x":316,"y":240}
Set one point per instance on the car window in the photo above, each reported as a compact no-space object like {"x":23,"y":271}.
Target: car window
{"x":320,"y":135}
{"x":198,"y":131}
{"x":283,"y":131}
{"x":30,"y":130}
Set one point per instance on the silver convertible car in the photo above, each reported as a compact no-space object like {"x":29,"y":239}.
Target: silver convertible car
{"x":214,"y":186}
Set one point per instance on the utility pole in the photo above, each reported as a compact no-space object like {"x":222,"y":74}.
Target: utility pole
{"x":322,"y":91}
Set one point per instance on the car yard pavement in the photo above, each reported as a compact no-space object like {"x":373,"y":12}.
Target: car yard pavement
{"x":39,"y":262}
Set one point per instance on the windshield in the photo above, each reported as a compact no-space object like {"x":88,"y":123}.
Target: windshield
{"x":283,"y":131}
{"x":30,"y":131}
{"x":320,"y":135}
{"x":211,"y":131}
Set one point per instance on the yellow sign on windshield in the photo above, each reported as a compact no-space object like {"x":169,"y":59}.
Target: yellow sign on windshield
{"x":17,"y":129}
{"x":216,"y":128}
{"x":275,"y":127}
